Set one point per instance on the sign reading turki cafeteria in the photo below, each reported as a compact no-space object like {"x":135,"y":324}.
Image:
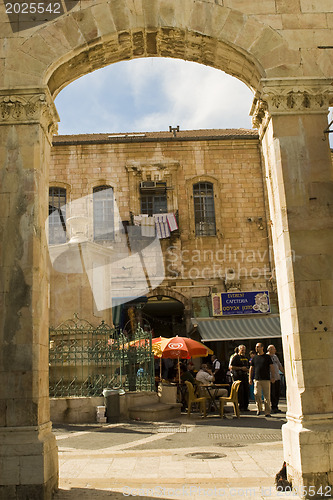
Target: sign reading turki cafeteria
{"x":224,"y":304}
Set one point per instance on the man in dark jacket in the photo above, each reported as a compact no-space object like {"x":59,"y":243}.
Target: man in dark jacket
{"x":240,"y":369}
{"x":262,"y":368}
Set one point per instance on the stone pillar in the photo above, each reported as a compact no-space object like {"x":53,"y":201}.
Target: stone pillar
{"x":28,"y":451}
{"x":291,"y":117}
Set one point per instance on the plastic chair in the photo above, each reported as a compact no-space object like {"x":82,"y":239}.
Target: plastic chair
{"x":233,"y":398}
{"x":193,"y":399}
{"x":196,"y":388}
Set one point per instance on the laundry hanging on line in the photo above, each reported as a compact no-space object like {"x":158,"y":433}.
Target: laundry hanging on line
{"x":160,"y":224}
{"x":148,"y":226}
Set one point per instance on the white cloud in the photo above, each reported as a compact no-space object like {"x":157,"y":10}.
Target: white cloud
{"x":151,"y":94}
{"x":196,"y":96}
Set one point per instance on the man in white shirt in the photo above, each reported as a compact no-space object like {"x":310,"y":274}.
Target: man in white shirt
{"x":205,"y":376}
{"x":217,"y":371}
{"x":275,"y":387}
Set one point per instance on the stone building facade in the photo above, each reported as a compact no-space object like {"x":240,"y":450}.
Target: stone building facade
{"x":210,"y":180}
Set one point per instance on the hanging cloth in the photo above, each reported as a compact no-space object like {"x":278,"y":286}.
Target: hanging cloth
{"x":173,"y":226}
{"x":148,"y":226}
{"x":162,"y":226}
{"x":137,"y":219}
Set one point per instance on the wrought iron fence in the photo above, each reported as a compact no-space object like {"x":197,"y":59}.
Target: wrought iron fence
{"x":84,"y":360}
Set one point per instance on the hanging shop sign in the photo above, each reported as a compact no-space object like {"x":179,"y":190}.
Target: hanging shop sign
{"x":225,"y":304}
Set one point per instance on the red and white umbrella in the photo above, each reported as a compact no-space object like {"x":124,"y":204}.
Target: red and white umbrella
{"x":180,"y":348}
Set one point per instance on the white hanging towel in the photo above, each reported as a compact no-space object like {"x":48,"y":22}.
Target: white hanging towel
{"x":148,"y":226}
{"x":137,"y":220}
{"x":162,"y":226}
{"x":172,"y":222}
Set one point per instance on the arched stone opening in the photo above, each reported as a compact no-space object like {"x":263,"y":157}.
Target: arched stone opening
{"x":165,"y":316}
{"x":182,"y":300}
{"x":293,"y":86}
{"x":163,"y":42}
{"x":97,"y":35}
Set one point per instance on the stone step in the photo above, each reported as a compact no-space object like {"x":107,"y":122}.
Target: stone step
{"x":155,"y":412}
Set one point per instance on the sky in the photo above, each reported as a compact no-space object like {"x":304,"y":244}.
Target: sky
{"x":149,"y":94}
{"x":145,"y":95}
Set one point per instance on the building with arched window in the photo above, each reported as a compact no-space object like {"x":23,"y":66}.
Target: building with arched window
{"x":181,"y":220}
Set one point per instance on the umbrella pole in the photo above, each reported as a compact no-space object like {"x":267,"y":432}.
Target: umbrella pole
{"x":161,"y":369}
{"x":178,"y":371}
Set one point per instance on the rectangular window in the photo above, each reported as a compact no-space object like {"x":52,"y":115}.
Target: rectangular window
{"x":204,"y":210}
{"x":103,"y":203}
{"x":153,"y":204}
{"x":57,"y":215}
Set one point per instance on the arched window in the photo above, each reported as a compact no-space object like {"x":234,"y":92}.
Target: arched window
{"x":57,"y":215}
{"x":204,"y":210}
{"x":103,"y":202}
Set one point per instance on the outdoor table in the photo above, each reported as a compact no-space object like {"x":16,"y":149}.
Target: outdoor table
{"x":212,"y":390}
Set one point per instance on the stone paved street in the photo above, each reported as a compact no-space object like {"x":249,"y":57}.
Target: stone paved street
{"x":186,"y":458}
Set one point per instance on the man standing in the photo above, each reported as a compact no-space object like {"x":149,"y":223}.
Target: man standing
{"x":275,"y":387}
{"x":262,"y":367}
{"x":217,"y":370}
{"x":240,"y":368}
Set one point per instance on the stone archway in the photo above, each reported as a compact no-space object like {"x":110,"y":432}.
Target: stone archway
{"x":179,"y":297}
{"x":291,"y":77}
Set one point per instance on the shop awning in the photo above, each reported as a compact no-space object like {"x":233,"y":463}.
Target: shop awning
{"x":238,"y":328}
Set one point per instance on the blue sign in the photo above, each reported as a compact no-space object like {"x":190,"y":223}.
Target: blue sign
{"x":224,"y":304}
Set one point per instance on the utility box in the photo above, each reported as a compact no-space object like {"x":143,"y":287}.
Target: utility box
{"x":112,"y":404}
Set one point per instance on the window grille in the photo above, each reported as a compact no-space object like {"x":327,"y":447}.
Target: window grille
{"x":103,"y":202}
{"x":57,"y":215}
{"x":204,"y":210}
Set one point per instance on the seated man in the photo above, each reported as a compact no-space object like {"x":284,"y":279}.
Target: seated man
{"x":182,"y":390}
{"x":185,"y":374}
{"x":205,"y":376}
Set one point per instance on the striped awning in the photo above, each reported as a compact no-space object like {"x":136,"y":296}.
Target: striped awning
{"x":262,"y":327}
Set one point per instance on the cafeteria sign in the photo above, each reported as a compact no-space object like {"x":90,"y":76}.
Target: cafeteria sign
{"x":224,"y":304}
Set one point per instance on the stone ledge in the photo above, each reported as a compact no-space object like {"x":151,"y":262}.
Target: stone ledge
{"x":155,"y":412}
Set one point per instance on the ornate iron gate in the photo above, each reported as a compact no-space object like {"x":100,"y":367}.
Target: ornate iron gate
{"x":84,"y":360}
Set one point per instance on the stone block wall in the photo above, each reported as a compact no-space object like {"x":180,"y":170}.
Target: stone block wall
{"x":240,"y":252}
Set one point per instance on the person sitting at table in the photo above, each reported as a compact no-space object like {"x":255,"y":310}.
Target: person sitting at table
{"x":205,"y":377}
{"x":191,"y":368}
{"x":186,"y":375}
{"x":182,"y":389}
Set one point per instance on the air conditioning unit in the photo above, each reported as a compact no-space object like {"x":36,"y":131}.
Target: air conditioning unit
{"x":156,"y":186}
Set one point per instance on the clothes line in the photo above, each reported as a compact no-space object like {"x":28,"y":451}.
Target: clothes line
{"x":160,"y":224}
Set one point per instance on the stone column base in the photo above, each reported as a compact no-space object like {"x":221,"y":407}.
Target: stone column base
{"x":28,"y":463}
{"x":308,"y":452}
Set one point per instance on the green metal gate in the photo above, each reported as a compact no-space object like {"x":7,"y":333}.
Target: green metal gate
{"x":84,"y":360}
